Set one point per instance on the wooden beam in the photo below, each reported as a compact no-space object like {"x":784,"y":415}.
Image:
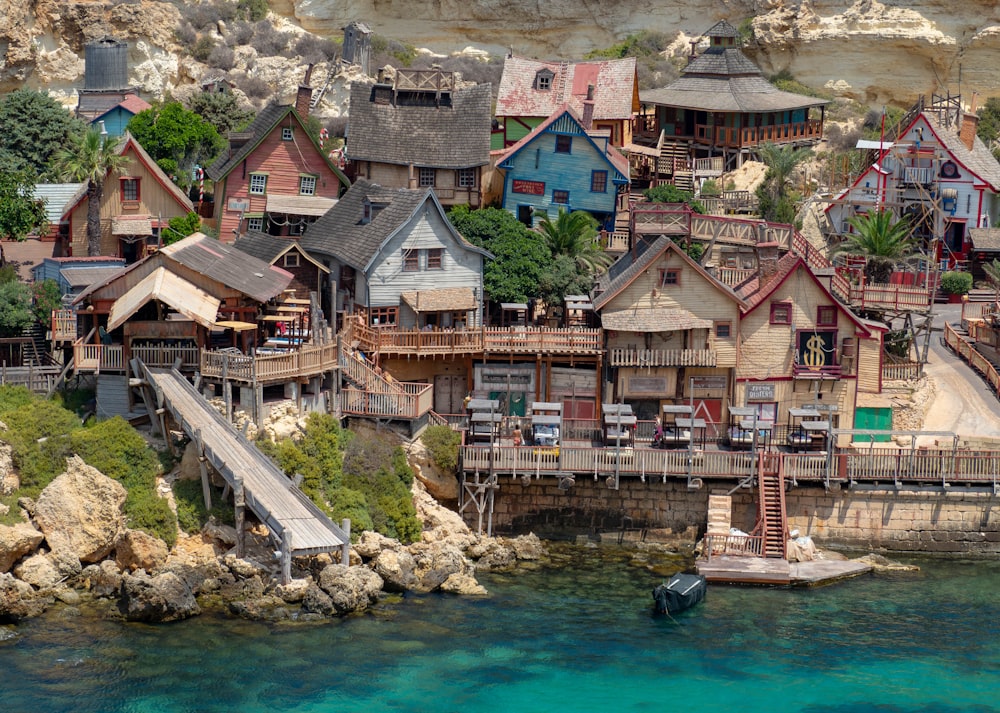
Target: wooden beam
{"x":345,"y":549}
{"x":286,"y":556}
{"x":239,"y":499}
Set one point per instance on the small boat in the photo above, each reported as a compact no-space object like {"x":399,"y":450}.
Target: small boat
{"x":681,"y":592}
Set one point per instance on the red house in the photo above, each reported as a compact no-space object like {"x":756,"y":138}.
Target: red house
{"x":274,"y":178}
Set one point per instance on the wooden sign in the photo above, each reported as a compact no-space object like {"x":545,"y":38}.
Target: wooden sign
{"x":760,"y":392}
{"x":534,"y":188}
{"x":708,"y":382}
{"x":238,"y":205}
{"x":816,"y":350}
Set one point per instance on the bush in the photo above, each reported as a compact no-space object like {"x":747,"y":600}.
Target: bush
{"x":253,"y":10}
{"x":191,"y":512}
{"x":442,"y":444}
{"x":222,"y":57}
{"x":203,"y":48}
{"x":253,"y":87}
{"x":185,"y":35}
{"x":956,"y":283}
{"x":240,"y":34}
{"x":207,"y":14}
{"x":268,"y":41}
{"x":314,"y":49}
{"x":711,"y":188}
{"x":667,"y":193}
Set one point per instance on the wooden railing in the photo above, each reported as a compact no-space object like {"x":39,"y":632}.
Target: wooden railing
{"x":976,"y":360}
{"x":733,"y":546}
{"x":917,"y":175}
{"x":901,"y":371}
{"x":883,"y":296}
{"x":732,"y":276}
{"x":98,"y":357}
{"x":661,"y":357}
{"x":615,"y":242}
{"x":661,"y":219}
{"x":38,"y":379}
{"x":754,"y":135}
{"x":63,"y":325}
{"x":713,"y":166}
{"x":411,"y":402}
{"x":309,"y":360}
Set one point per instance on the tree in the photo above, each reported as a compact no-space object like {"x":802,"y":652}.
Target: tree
{"x":575,"y":236}
{"x":46,"y":297}
{"x":20,"y":213}
{"x":15,"y":308}
{"x":775,"y":201}
{"x":171,"y":133}
{"x":520,"y":257}
{"x":180,"y":227}
{"x":563,"y":277}
{"x":669,"y":193}
{"x":992,"y":270}
{"x":89,"y":158}
{"x":988,"y":128}
{"x":33,"y":127}
{"x":221,"y":110}
{"x":881,"y":239}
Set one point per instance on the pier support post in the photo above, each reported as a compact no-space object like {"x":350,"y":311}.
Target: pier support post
{"x":239,"y":499}
{"x":345,"y":549}
{"x":206,"y":491}
{"x":286,"y":556}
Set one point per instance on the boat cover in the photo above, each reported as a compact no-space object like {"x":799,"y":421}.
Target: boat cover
{"x":679,"y":593}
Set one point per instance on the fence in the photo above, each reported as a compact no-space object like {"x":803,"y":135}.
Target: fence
{"x":976,"y":360}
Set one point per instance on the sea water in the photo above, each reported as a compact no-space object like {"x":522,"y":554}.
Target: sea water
{"x":580,"y":636}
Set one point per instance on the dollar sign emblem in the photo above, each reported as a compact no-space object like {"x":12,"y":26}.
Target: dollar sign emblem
{"x":814,"y":357}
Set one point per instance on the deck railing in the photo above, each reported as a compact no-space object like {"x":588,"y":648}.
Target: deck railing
{"x":63,"y":325}
{"x":885,"y":296}
{"x":976,"y":360}
{"x":901,"y":371}
{"x":661,"y":357}
{"x":754,"y":135}
{"x":733,"y":546}
{"x":98,"y":357}
{"x":411,"y":402}
{"x":306,"y":361}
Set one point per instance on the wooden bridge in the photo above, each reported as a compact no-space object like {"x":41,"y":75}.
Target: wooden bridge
{"x":296,"y":524}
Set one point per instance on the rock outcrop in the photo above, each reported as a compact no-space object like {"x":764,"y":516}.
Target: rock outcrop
{"x":165,"y":597}
{"x":16,"y":542}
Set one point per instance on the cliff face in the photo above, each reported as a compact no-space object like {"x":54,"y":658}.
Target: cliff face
{"x":876,"y":52}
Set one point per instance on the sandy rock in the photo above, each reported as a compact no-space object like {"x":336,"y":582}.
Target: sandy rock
{"x":434,"y":515}
{"x":18,"y":600}
{"x":16,"y":542}
{"x":103,"y":580}
{"x":38,"y":571}
{"x":441,"y":486}
{"x":219,"y":532}
{"x":350,"y":588}
{"x":190,"y":468}
{"x":10,"y":479}
{"x":496,"y":556}
{"x":139,"y":550}
{"x":244,"y":568}
{"x":317,"y":601}
{"x":264,"y":608}
{"x":396,"y":570}
{"x":165,"y":597}
{"x":371,"y":544}
{"x":81,"y":510}
{"x":463,"y":584}
{"x":66,"y":563}
{"x":293,"y":592}
{"x":527,"y":547}
{"x":435,"y":562}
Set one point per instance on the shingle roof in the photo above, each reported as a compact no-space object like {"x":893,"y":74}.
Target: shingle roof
{"x":754,"y":294}
{"x":723,"y":79}
{"x":614,"y":82}
{"x":233,"y":268}
{"x":722,"y":29}
{"x":82,"y":275}
{"x":979,"y":159}
{"x":985,"y":238}
{"x":657,"y":319}
{"x":456,"y":136}
{"x":259,"y":128}
{"x":342,"y":235}
{"x":263,"y":246}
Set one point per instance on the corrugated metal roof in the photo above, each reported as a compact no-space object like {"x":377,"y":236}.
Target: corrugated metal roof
{"x":233,"y":268}
{"x":165,"y":286}
{"x":77,"y":277}
{"x":614,"y":80}
{"x":58,"y":197}
{"x":453,"y":137}
{"x":659,"y":319}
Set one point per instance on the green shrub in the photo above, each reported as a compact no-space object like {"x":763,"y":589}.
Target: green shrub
{"x":442,"y":445}
{"x":956,"y":283}
{"x":38,"y":433}
{"x":711,"y":188}
{"x":668,"y":193}
{"x":191,"y":512}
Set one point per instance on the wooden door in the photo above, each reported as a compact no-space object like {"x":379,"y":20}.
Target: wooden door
{"x":449,"y":393}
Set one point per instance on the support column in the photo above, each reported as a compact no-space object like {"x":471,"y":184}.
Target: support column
{"x":239,"y":499}
{"x":286,"y":556}
{"x":206,"y":491}
{"x":345,"y":549}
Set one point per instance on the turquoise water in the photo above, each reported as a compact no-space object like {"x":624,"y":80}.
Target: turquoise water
{"x":580,"y":638}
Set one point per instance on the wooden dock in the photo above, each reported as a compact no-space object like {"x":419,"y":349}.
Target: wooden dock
{"x":295,"y":523}
{"x":773,"y":571}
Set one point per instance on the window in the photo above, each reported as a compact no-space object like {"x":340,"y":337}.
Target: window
{"x":411,"y":260}
{"x":434,"y":258}
{"x":255,"y":224}
{"x":130,"y":189}
{"x":426,"y":178}
{"x":598,"y":181}
{"x":291,"y":259}
{"x":383,"y":316}
{"x":564,"y":144}
{"x":307,"y":185}
{"x":543,"y":80}
{"x":286,"y":133}
{"x":561,"y":197}
{"x":826,"y":316}
{"x":258,"y":184}
{"x":466,"y":178}
{"x":781,"y":313}
{"x":723,"y":330}
{"x":670,"y":277}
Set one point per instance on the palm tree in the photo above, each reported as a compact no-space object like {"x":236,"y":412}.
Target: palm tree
{"x":773,"y":194}
{"x":881,"y":239}
{"x":575,"y":235}
{"x":89,"y":158}
{"x":992,"y":270}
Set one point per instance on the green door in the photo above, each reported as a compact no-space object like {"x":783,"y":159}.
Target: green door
{"x":873,"y":418}
{"x":514,"y":406}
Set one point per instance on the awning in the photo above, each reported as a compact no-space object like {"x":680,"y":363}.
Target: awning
{"x":299,"y":205}
{"x":446,"y":299}
{"x":132,"y":225}
{"x":653,"y":320}
{"x":236,"y":326}
{"x":178,"y":293}
{"x":640,"y":149}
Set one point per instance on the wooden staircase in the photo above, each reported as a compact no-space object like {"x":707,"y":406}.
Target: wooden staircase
{"x":674,"y":164}
{"x":772,"y":523}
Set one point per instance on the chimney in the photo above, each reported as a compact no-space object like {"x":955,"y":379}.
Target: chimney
{"x":767,"y":263}
{"x":303,"y":97}
{"x":588,"y":109}
{"x":970,"y":122}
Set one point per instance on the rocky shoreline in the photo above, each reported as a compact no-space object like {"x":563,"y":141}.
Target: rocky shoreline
{"x":74,"y":546}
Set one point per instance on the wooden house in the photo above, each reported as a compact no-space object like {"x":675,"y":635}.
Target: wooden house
{"x":563,"y":164}
{"x":308,"y":274}
{"x":396,"y":259}
{"x":74,"y":274}
{"x":58,"y":199}
{"x":532,"y":90}
{"x":138,"y":202}
{"x":274,"y":178}
{"x":801,"y":347}
{"x":671,"y":331}
{"x":116,"y":119}
{"x":422,"y":131}
{"x":721,"y":107}
{"x":937,"y":174}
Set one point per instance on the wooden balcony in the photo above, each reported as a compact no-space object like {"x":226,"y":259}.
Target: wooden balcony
{"x":661,"y":357}
{"x":801,"y":371}
{"x":304,"y":362}
{"x":737,"y":137}
{"x":661,"y":219}
{"x":713,"y":166}
{"x":97,"y":358}
{"x":63,"y":325}
{"x":410,"y":402}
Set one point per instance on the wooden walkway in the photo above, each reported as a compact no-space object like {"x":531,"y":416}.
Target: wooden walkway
{"x":295,"y":523}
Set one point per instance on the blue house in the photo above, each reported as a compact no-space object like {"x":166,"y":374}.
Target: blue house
{"x":562,"y":164}
{"x":117,"y":117}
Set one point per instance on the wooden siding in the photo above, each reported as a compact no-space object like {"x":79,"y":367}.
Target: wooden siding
{"x":154,"y":200}
{"x":283,"y":162}
{"x":446,"y":186}
{"x":461,"y":267}
{"x":560,"y":172}
{"x":869,"y":362}
{"x":695,"y":293}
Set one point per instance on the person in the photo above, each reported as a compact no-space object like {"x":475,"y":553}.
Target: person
{"x":658,"y":432}
{"x":517,"y":434}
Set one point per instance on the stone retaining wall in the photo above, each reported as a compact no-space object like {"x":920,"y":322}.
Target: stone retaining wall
{"x":958,"y":521}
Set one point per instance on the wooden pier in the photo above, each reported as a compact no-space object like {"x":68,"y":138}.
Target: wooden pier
{"x":296,"y":525}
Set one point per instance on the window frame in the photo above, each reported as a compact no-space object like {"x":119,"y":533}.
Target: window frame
{"x":435,"y":258}
{"x":302,"y":185}
{"x":670,"y":277}
{"x":391,"y":315}
{"x":425,"y":172}
{"x":775,"y":317}
{"x":287,"y":262}
{"x":260,"y":225}
{"x":410,"y":260}
{"x":564,"y":143}
{"x":599,"y":178}
{"x":262,"y":189}
{"x":465,"y":178}
{"x":826,"y":316}
{"x":286,"y":133}
{"x":725,"y":325}
{"x":558,"y":193}
{"x":126,"y":180}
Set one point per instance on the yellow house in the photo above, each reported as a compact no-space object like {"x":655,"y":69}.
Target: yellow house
{"x":672,"y":332}
{"x":799,"y":347}
{"x":136,"y":205}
